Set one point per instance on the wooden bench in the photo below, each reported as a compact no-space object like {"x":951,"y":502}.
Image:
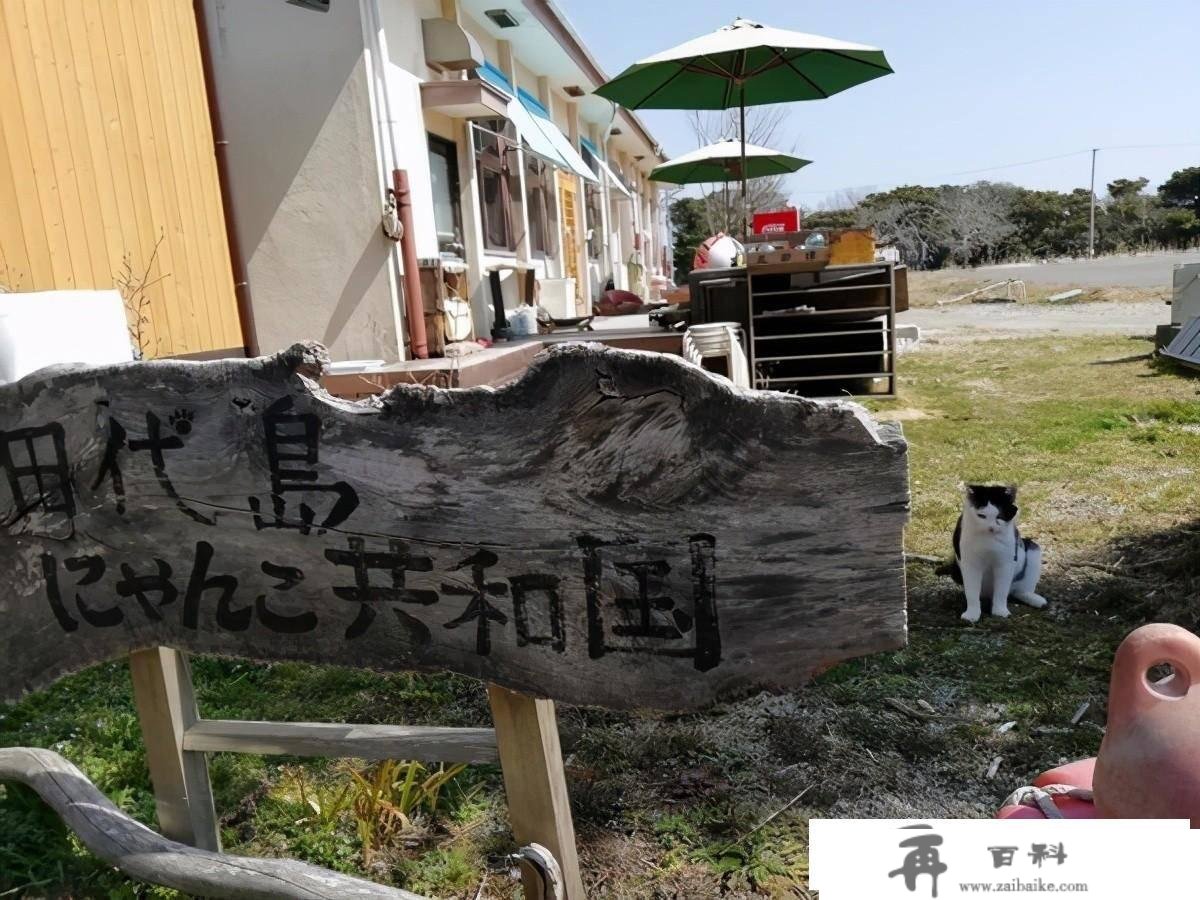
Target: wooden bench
{"x":616,"y":529}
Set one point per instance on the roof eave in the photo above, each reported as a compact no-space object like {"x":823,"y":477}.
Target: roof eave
{"x":550,"y":18}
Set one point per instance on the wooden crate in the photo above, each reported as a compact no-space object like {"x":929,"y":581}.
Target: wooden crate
{"x":843,"y":246}
{"x":800,"y":259}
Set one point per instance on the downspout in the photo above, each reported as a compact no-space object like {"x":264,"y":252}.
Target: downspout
{"x":609,"y":250}
{"x":414,"y":309}
{"x":241,"y":282}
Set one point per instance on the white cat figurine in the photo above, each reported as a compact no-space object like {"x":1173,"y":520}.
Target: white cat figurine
{"x":991,"y":559}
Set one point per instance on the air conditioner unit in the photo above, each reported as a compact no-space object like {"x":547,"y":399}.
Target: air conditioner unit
{"x":449,"y":47}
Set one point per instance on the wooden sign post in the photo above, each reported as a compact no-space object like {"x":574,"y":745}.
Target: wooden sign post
{"x":617,"y":529}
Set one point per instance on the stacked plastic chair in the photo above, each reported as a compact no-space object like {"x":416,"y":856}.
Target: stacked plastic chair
{"x":718,"y":340}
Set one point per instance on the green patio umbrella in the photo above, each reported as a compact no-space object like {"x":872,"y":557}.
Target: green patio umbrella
{"x":726,"y":161}
{"x":745,"y":64}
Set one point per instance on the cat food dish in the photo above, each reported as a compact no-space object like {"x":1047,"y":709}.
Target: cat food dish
{"x":991,"y":559}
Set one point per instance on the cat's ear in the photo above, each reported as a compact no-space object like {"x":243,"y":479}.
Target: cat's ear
{"x":1011,"y":490}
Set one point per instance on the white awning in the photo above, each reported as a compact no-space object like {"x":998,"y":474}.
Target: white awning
{"x":604,"y":170}
{"x":560,"y":142}
{"x":615,"y":180}
{"x":533,"y":137}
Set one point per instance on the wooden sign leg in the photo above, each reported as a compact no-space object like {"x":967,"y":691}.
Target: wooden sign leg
{"x":166,"y":705}
{"x":531,"y":759}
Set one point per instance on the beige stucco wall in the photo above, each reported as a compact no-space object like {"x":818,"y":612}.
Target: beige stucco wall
{"x":292,"y":86}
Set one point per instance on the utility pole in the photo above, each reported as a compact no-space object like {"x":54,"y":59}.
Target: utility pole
{"x":1092,"y":219}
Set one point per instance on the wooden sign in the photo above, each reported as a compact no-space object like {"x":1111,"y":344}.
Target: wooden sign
{"x":619,"y":529}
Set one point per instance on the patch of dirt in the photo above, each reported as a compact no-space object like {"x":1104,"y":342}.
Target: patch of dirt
{"x":1065,"y":506}
{"x":974,"y":322}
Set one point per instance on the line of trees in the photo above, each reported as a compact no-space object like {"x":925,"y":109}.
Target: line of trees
{"x":985,"y":222}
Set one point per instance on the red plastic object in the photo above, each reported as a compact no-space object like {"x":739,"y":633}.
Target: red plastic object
{"x":1077,"y":774}
{"x":777,"y":221}
{"x":619,"y":303}
{"x":1068,"y":806}
{"x":1148,"y":766}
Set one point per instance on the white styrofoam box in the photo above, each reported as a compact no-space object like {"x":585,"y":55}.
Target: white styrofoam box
{"x":1185,"y":294}
{"x":558,"y":297}
{"x":44,"y":328}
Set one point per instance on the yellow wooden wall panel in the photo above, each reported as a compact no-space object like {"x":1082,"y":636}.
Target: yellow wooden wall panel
{"x":89,"y":256}
{"x":152,"y":135}
{"x":114,"y":20}
{"x":47,"y":70}
{"x":179,"y":160}
{"x":106,"y":145}
{"x":170,"y":98}
{"x":226,"y":325}
{"x":18,"y":206}
{"x":42,"y":179}
{"x":131,"y":215}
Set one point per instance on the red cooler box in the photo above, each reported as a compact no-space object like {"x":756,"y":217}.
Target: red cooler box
{"x":783,"y":220}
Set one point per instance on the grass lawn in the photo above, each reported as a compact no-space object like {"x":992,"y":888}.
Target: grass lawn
{"x":1105,"y":444}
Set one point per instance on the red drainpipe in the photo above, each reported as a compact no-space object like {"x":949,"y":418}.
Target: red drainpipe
{"x":414,"y":309}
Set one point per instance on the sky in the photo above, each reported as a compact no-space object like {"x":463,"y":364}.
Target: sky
{"x":978,"y":84}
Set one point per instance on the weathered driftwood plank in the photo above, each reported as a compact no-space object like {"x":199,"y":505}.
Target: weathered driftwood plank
{"x":617,"y":528}
{"x":166,"y":704}
{"x":535,"y":783}
{"x":468,"y":745}
{"x":147,"y":856}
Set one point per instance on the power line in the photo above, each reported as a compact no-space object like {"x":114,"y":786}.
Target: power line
{"x":1150,"y":146}
{"x":1028,"y":162}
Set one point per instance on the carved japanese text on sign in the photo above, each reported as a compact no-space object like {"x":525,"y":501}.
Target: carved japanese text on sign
{"x":588,"y":534}
{"x":530,"y":605}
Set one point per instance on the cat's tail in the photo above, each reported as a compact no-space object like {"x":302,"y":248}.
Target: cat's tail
{"x":952,"y":569}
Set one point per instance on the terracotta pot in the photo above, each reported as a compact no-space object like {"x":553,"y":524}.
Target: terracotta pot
{"x":1149,"y":761}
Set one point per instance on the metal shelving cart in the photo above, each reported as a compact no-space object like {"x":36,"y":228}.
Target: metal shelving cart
{"x":816,"y":331}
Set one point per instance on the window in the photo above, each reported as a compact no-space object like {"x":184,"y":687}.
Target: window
{"x":539,"y":197}
{"x":494,"y":152}
{"x":443,"y":168}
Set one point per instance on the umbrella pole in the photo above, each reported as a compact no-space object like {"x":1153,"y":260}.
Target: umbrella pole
{"x":745,"y":198}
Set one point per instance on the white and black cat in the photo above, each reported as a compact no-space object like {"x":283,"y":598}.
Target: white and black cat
{"x":991,"y":559}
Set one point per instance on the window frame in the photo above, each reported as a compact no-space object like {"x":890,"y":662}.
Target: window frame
{"x":449,"y":150}
{"x":492,"y":149}
{"x":541,"y":201}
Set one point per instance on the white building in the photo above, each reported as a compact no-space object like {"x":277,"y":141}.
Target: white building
{"x":510,"y":159}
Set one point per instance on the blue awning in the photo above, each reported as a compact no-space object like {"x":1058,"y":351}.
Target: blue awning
{"x":531,"y":135}
{"x":495,"y":77}
{"x":609,"y":174}
{"x":537,"y":131}
{"x":554,"y":135}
